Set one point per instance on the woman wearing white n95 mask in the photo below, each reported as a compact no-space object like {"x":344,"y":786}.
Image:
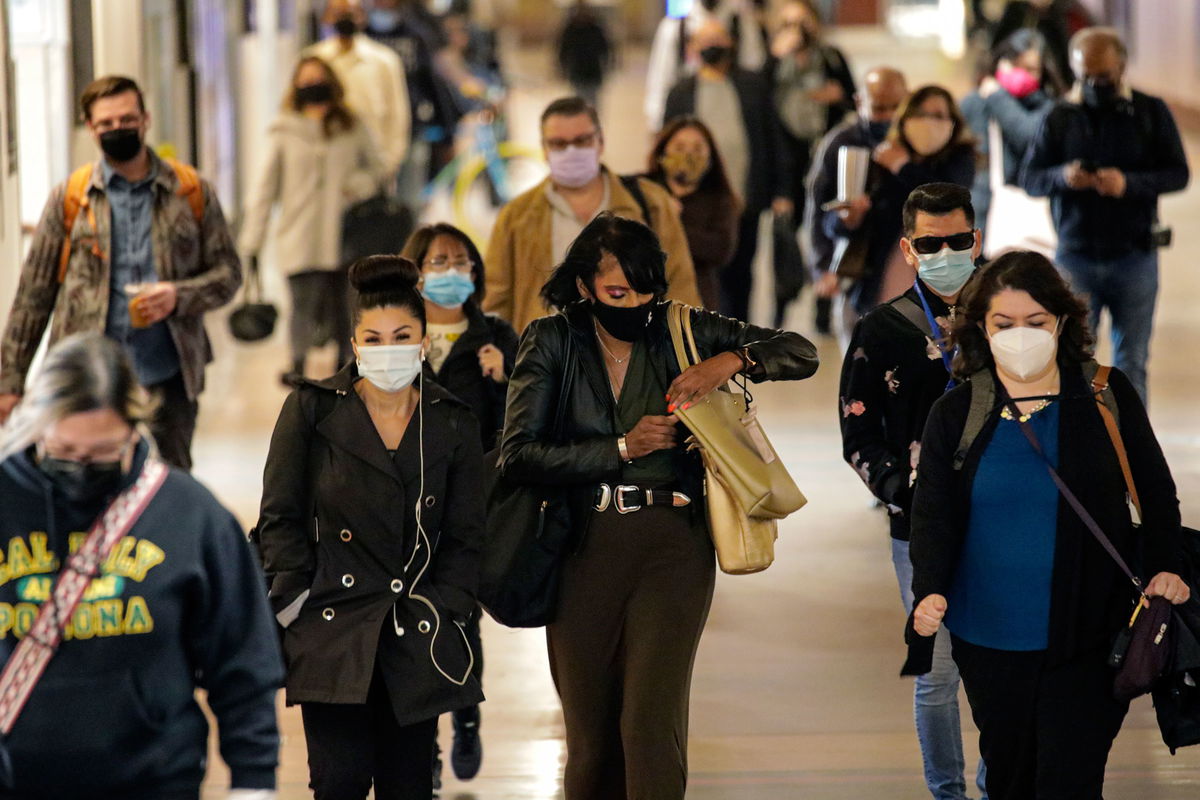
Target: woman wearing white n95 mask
{"x":1031,"y":599}
{"x":370,"y":526}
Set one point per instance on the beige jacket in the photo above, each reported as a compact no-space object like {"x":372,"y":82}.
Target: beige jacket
{"x":376,"y":89}
{"x":199,"y":258}
{"x":520,"y":257}
{"x":314,"y":180}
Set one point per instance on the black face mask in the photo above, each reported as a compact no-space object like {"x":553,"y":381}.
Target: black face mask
{"x":878,"y":131}
{"x":315,"y":93}
{"x":345,"y":26}
{"x":81,"y":482}
{"x":626,"y":324}
{"x":1099,"y":94}
{"x":121,"y":144}
{"x":715,"y":55}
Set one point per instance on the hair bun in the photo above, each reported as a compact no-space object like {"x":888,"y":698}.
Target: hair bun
{"x":386,"y":273}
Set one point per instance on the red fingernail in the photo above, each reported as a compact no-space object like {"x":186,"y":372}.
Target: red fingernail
{"x":671,"y":409}
{"x":686,"y":406}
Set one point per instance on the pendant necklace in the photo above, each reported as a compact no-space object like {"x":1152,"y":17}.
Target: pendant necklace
{"x":600,"y":339}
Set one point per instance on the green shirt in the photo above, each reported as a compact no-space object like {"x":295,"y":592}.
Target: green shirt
{"x":644,"y":393}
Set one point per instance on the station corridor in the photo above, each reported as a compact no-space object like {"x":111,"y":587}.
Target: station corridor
{"x":796,"y":691}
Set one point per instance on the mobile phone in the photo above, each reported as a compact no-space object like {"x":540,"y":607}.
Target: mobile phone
{"x":677,"y":9}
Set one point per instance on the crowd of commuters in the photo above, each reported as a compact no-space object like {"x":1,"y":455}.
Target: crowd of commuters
{"x":553,"y":355}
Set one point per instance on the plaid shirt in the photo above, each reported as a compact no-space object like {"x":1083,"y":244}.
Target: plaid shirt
{"x":199,"y":258}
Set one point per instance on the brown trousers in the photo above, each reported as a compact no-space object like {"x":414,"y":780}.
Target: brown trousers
{"x":632,"y":606}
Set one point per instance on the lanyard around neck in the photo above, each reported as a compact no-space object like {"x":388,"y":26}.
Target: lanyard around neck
{"x":936,"y":335}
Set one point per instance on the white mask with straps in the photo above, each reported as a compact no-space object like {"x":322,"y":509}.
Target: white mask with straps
{"x":1024,"y":352}
{"x":390,"y":367}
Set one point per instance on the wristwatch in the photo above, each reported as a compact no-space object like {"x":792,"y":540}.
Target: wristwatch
{"x":623,"y":449}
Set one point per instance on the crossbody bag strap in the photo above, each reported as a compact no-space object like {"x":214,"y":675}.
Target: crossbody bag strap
{"x":31,"y":657}
{"x":1100,"y":385}
{"x":1088,"y":520}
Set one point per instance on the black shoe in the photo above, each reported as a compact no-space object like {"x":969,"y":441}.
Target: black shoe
{"x":437,"y":774}
{"x":466,"y":755}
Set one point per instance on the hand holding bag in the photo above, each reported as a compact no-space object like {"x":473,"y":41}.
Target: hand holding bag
{"x":529,"y":531}
{"x":747,"y":487}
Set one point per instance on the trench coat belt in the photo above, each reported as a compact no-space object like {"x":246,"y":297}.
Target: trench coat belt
{"x":628,"y":499}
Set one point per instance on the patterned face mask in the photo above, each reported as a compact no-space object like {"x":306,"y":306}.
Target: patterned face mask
{"x":685,"y":168}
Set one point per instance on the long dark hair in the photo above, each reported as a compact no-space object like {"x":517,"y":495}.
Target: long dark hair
{"x":1022,"y":41}
{"x":339,"y":118}
{"x":715,"y":181}
{"x":422,"y":238}
{"x":633,"y":244}
{"x":1026,"y":271}
{"x":960,"y":138}
{"x":386,"y":282}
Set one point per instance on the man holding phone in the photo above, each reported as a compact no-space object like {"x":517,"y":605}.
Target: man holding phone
{"x":1103,"y":156}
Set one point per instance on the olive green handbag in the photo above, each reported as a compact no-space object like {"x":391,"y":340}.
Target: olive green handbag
{"x":747,"y":487}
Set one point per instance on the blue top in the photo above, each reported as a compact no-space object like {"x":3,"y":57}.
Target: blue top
{"x":1000,"y":597}
{"x":132,"y":261}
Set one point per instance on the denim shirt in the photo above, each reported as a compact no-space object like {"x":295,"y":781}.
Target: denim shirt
{"x":132,"y":261}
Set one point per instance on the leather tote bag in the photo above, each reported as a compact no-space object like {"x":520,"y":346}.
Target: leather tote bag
{"x":747,"y":488}
{"x":529,"y":533}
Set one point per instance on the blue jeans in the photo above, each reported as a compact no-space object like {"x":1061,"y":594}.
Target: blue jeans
{"x":935,"y":705}
{"x":1128,"y":287}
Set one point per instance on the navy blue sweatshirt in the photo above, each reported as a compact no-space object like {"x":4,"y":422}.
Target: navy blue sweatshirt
{"x":1137,"y":136}
{"x":179,"y":605}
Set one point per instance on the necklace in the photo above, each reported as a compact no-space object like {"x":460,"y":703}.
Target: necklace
{"x":600,"y":339}
{"x":1006,"y":412}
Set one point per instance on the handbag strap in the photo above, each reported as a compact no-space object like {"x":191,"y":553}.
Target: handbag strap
{"x":1100,"y":385}
{"x":679,"y":323}
{"x":31,"y":657}
{"x":560,"y":412}
{"x":1088,"y":520}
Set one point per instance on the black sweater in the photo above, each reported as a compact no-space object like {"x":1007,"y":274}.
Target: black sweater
{"x":892,"y":374}
{"x":179,"y":606}
{"x":1090,"y":599}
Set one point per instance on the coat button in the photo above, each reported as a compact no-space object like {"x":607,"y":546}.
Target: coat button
{"x":347,"y":580}
{"x":429,"y":501}
{"x":346,"y":535}
{"x":397,"y":585}
{"x":423,"y":626}
{"x":327,"y":614}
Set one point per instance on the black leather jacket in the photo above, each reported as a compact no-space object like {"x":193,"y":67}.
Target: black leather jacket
{"x":590,"y":427}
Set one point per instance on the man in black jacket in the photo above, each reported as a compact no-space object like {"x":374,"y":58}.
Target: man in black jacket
{"x":736,"y":106}
{"x":1103,"y":157}
{"x":895,"y":368}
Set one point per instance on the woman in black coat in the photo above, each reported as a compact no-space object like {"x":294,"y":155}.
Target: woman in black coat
{"x":1031,"y":599}
{"x":370,"y":525}
{"x":635,"y":594}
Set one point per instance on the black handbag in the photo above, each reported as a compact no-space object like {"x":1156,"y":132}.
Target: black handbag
{"x":378,"y":225}
{"x":254,"y":320}
{"x":529,"y":532}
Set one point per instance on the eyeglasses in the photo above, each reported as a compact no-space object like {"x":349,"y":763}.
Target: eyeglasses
{"x":927,"y":115}
{"x":586,"y":140}
{"x":104,"y":454}
{"x":928,"y":245}
{"x":441,"y":264}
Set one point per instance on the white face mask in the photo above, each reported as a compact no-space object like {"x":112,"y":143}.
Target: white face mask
{"x":390,"y":367}
{"x":1024,"y":352}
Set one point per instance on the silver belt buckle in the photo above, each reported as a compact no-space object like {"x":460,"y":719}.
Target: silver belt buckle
{"x":620,"y":493}
{"x":605,"y":498}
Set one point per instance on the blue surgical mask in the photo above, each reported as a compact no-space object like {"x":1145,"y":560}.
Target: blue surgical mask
{"x":449,"y":289}
{"x":946,"y":271}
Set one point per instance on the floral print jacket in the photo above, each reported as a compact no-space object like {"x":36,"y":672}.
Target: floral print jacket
{"x":199,"y":257}
{"x":892,"y":375}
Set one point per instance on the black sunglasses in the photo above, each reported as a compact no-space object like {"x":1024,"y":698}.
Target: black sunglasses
{"x":928,"y":245}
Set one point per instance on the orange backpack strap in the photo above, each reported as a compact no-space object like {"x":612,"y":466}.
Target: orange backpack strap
{"x":74,"y":198}
{"x":189,"y":186}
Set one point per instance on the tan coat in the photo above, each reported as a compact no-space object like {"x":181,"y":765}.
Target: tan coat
{"x":520,"y":257}
{"x":314,"y":180}
{"x":199,"y":258}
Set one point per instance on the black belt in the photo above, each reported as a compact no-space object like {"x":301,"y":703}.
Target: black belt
{"x":628,"y":499}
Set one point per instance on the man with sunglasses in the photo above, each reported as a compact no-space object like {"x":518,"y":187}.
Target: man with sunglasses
{"x":1104,"y":156}
{"x":897,"y":366}
{"x":535,"y":229}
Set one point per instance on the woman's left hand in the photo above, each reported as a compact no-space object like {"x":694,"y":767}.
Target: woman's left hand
{"x":1170,"y":586}
{"x":695,"y":382}
{"x":491,"y":361}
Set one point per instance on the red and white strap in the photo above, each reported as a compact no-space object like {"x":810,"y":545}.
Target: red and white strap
{"x":29,"y":660}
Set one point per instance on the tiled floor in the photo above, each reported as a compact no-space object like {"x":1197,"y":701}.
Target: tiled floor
{"x":796,"y":691}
